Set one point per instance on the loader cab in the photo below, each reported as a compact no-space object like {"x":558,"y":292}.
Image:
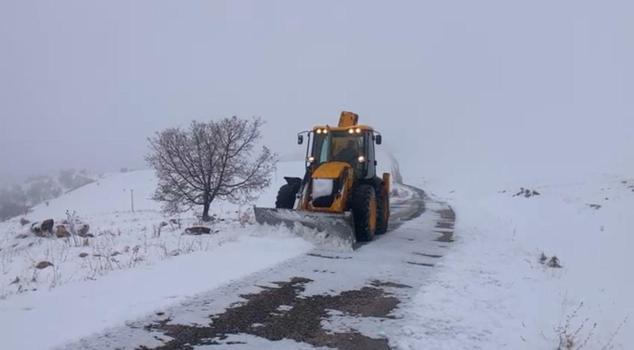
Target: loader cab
{"x":353,"y":145}
{"x":340,"y":179}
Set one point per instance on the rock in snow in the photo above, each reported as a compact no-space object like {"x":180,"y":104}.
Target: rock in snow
{"x":198,"y":230}
{"x":61,"y":232}
{"x":43,"y":264}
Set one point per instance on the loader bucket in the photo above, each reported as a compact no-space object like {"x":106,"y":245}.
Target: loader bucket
{"x":336,"y":229}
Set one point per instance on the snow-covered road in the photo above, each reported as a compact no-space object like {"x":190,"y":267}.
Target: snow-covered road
{"x":324,"y":298}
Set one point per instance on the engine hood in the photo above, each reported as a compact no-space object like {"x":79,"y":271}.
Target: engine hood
{"x":330,"y":170}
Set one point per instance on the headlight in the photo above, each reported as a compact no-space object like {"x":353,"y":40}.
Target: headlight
{"x":350,"y":131}
{"x":358,"y":130}
{"x":318,"y":131}
{"x":311,"y":159}
{"x":361,"y":159}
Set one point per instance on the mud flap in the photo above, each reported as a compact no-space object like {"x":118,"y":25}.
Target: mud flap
{"x":335,"y":226}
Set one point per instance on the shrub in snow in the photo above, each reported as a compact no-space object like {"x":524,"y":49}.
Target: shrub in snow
{"x":83,"y":230}
{"x":526,"y":193}
{"x":76,"y":228}
{"x":209,"y":161}
{"x":552,"y":262}
{"x":578,"y":334}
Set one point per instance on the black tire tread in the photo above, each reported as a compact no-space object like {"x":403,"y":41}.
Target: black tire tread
{"x":361,"y":198}
{"x":382,"y":199}
{"x":286,"y":196}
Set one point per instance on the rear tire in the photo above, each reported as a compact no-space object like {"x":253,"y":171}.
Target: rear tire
{"x":364,"y":212}
{"x":383,"y":211}
{"x":286,"y":196}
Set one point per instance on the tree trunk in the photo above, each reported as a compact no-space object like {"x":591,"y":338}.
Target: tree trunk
{"x":206,"y":205}
{"x":206,"y":212}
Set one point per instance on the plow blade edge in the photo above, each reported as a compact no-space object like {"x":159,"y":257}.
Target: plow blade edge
{"x":336,"y":226}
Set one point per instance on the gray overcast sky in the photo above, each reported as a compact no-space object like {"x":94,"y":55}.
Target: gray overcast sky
{"x":452,"y":84}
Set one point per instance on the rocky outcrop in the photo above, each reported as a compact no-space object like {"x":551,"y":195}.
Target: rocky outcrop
{"x":61,"y":231}
{"x":43,"y":229}
{"x":47,"y":225}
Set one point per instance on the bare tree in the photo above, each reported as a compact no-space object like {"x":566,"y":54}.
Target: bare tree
{"x":208,"y":161}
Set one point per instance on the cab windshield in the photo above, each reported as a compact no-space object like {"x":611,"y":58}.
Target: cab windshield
{"x":337,"y":146}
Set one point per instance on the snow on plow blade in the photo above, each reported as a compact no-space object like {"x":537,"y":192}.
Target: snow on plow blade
{"x":335,"y":228}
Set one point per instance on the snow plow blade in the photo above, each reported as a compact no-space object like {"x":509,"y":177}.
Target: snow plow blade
{"x":333,"y":228}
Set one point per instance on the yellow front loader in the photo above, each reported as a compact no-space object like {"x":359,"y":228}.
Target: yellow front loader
{"x":341,"y":193}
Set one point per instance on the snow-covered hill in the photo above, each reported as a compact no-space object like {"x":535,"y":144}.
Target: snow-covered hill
{"x":106,"y":206}
{"x":131,"y":262}
{"x":535,"y":263}
{"x":19,"y":198}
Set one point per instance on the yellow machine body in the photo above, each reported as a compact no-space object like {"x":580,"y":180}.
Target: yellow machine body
{"x":347,"y":121}
{"x":343,"y":211}
{"x":336,"y":171}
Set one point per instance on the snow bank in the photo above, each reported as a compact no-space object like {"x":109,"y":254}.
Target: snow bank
{"x":494,"y":292}
{"x":79,"y":309}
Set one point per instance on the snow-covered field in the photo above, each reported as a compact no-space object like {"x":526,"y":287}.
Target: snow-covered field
{"x":495,"y":290}
{"x":130,"y":264}
{"x":498,"y":287}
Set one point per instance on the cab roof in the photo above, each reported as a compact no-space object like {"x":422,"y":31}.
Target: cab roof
{"x":347,"y":121}
{"x":337,"y":128}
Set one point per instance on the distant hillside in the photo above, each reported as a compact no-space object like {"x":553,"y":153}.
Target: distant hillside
{"x":19,"y":199}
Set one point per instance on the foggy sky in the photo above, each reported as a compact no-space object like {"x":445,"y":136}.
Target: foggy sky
{"x":453,"y":85}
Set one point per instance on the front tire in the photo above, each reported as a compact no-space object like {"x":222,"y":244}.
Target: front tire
{"x":286,"y":196}
{"x":364,"y":212}
{"x":383,"y":211}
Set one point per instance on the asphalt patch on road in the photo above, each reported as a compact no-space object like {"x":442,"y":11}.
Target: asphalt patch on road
{"x":435,"y":256}
{"x":381,"y":284}
{"x":328,"y":256}
{"x":445,"y":224}
{"x":300,"y":320}
{"x":418,"y":208}
{"x":446,"y":237}
{"x":447,"y":214}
